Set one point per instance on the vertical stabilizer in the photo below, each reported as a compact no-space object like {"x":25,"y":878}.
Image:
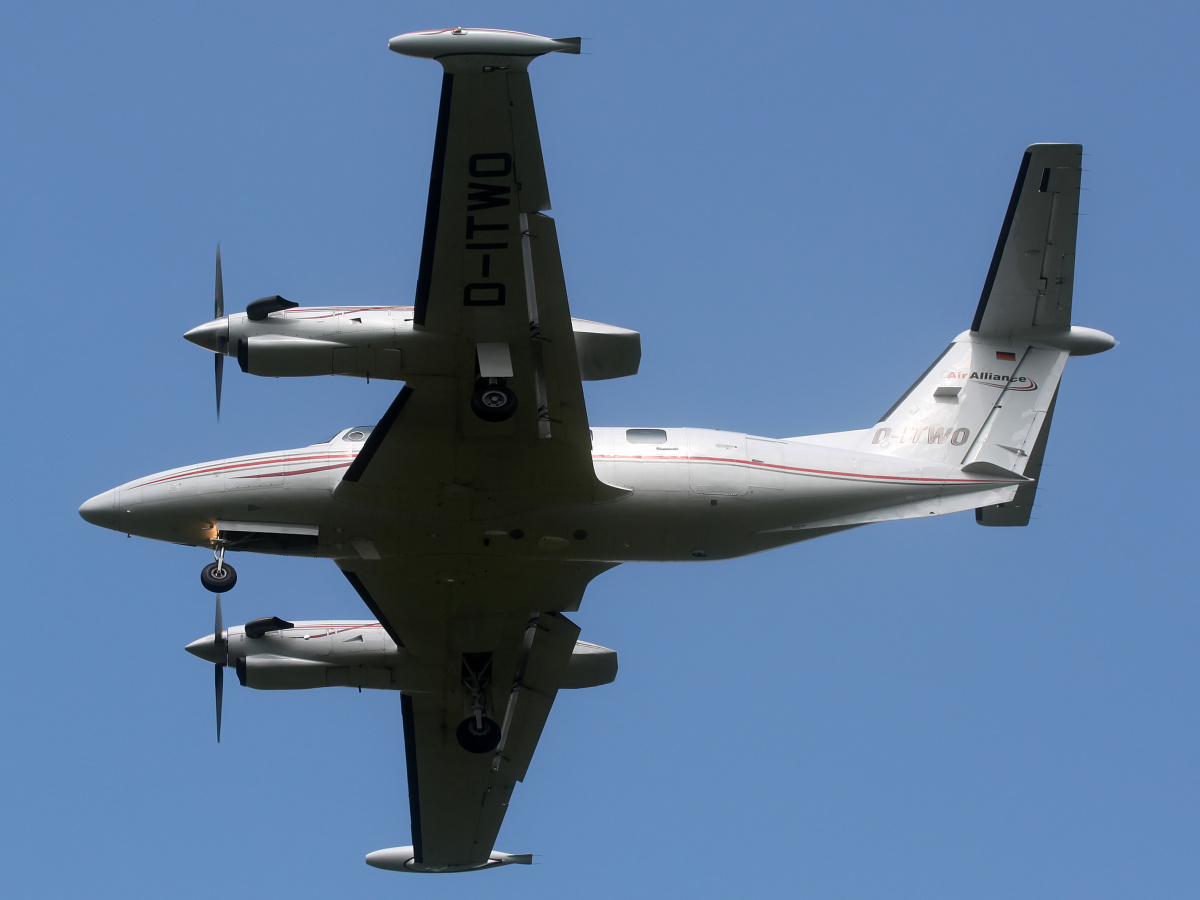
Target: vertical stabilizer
{"x":981,"y":406}
{"x":986,"y":403}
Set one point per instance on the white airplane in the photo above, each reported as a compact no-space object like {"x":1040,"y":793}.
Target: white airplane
{"x":478,"y":509}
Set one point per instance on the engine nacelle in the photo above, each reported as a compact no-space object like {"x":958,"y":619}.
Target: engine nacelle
{"x":265,"y":672}
{"x":591,"y":665}
{"x":606,"y":351}
{"x":273,"y":654}
{"x":379,"y":342}
{"x":282,"y":356}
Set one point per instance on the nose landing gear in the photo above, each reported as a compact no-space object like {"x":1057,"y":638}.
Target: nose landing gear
{"x":218,"y":576}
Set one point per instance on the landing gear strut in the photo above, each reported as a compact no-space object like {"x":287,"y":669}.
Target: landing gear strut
{"x":478,"y":733}
{"x":218,"y":576}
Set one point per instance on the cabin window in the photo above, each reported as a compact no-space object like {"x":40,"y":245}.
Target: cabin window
{"x":358,"y":434}
{"x":646,"y":435}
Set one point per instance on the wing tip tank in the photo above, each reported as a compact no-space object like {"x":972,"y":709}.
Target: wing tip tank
{"x":479,"y":42}
{"x":403,"y":859}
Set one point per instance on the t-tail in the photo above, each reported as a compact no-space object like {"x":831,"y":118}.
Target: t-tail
{"x":986,"y":403}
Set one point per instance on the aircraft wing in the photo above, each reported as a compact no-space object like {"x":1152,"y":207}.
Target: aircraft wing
{"x":469,"y":635}
{"x":1031,"y":278}
{"x":492,"y":303}
{"x":485,"y":630}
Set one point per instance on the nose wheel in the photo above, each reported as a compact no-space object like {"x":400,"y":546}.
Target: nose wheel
{"x":218,"y":576}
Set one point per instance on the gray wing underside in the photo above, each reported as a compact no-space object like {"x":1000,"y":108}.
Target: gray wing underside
{"x":490,"y":298}
{"x":457,"y":799}
{"x":490,"y":287}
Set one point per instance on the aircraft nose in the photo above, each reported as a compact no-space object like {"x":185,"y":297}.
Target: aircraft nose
{"x":206,"y":335}
{"x":205,"y":648}
{"x":101,"y":510}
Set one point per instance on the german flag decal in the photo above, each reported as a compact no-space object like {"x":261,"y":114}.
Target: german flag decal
{"x":1000,"y":354}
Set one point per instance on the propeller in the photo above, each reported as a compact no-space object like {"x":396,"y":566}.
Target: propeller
{"x":221,"y":648}
{"x":222,"y":343}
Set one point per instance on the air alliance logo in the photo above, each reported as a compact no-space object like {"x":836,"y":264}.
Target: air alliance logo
{"x":995,"y":379}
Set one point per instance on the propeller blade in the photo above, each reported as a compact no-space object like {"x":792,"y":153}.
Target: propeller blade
{"x":219,"y":304}
{"x":219,"y":684}
{"x":221,"y":645}
{"x":220,"y":636}
{"x":220,"y":368}
{"x":222,"y":343}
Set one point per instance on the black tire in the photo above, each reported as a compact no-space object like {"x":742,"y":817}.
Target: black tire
{"x":474,"y":740}
{"x":493,"y":402}
{"x":218,"y":583}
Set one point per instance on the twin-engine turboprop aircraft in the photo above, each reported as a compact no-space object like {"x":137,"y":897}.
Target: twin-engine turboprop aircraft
{"x":474,"y":514}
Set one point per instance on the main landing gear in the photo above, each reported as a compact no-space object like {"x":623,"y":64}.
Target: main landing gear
{"x":218,"y":576}
{"x":478,"y":732}
{"x":492,"y":400}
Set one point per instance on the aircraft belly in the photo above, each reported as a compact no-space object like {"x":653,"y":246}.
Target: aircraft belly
{"x":676,"y":511}
{"x":189,"y":515}
{"x":706,"y":527}
{"x":785,"y":484}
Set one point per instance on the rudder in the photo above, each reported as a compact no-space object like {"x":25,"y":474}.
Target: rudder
{"x":981,"y":406}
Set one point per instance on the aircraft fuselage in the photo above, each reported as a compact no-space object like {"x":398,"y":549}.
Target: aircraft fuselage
{"x":692,"y":494}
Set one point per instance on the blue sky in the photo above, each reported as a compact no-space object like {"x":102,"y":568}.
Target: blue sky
{"x":796,"y":207}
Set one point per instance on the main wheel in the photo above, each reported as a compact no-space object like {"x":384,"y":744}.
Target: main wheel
{"x":218,"y":577}
{"x":493,"y":402}
{"x":476,"y":739}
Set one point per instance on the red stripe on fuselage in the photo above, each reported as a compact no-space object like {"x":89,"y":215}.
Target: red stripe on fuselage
{"x":779,"y":468}
{"x":342,"y":465}
{"x":349,"y":457}
{"x":211,"y":470}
